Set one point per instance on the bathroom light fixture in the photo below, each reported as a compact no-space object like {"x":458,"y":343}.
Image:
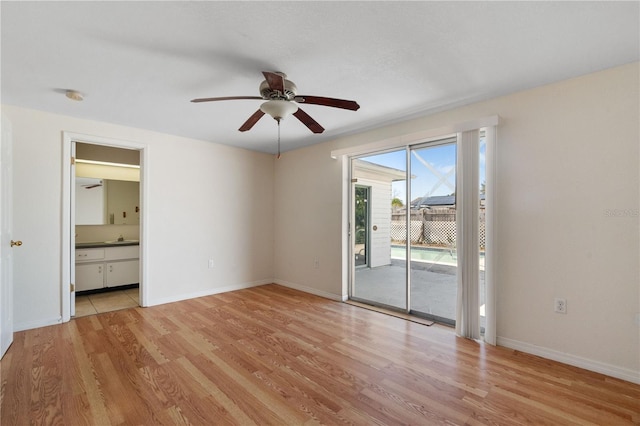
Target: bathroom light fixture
{"x":74,"y":95}
{"x":105,"y":163}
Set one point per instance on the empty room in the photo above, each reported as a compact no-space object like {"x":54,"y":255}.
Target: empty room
{"x":312,"y":212}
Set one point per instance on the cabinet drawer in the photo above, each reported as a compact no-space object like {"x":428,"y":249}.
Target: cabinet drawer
{"x":85,"y":255}
{"x":126,"y":252}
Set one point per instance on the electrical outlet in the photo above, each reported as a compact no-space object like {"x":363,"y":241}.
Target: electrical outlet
{"x":211,"y":264}
{"x":560,"y":306}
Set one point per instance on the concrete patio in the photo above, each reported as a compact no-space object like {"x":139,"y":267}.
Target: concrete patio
{"x":433,"y":287}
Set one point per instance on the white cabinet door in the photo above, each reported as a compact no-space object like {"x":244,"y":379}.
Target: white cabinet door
{"x":122,"y":273}
{"x":89,"y":276}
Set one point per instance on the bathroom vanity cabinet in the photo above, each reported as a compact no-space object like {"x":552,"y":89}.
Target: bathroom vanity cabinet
{"x":108,"y":266}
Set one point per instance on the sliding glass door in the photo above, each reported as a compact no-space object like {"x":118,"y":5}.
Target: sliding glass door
{"x":434,"y":260}
{"x":407,"y":238}
{"x":378,"y":236}
{"x":388,"y":224}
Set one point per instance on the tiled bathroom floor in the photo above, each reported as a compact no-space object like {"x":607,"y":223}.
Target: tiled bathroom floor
{"x":106,"y":302}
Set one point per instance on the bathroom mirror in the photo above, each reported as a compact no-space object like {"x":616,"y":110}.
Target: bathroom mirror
{"x":107,"y":202}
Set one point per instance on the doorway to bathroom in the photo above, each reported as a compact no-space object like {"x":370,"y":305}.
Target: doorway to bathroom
{"x":107,"y":228}
{"x":104,"y":219}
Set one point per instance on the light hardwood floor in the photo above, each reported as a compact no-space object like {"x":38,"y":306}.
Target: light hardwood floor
{"x":271,"y":355}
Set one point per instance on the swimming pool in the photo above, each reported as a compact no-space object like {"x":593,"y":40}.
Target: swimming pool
{"x":440,"y":256}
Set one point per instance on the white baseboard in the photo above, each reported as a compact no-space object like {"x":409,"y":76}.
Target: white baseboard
{"x":207,"y":292}
{"x":311,"y":290}
{"x":37,"y":324}
{"x":576,"y":361}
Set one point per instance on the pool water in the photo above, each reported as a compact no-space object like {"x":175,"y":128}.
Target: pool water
{"x":429,"y":254}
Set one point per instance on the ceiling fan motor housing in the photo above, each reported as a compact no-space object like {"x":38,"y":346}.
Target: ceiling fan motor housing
{"x":290,"y":90}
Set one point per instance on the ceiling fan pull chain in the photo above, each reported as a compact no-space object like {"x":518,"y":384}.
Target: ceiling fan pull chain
{"x":278,"y":157}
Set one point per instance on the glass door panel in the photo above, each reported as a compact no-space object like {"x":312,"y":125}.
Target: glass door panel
{"x":361,"y":225}
{"x":434,"y":263}
{"x":379,"y":240}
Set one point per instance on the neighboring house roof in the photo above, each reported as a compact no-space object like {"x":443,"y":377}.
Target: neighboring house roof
{"x":435,"y":201}
{"x":366,"y":169}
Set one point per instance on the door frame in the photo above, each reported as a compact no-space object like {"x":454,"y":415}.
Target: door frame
{"x":68,"y":229}
{"x":6,"y":232}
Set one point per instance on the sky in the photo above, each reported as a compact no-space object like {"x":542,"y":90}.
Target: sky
{"x":438,"y":178}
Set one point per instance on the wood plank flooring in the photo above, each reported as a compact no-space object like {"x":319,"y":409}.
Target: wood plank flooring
{"x":272,"y":355}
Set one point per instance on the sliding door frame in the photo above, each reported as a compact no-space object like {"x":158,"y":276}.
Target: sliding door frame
{"x":444,"y":140}
{"x":346,"y":155}
{"x":407,"y":228}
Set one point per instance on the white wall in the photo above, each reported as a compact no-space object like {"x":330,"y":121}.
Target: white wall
{"x":205,"y":201}
{"x":568,"y":154}
{"x":308,"y":199}
{"x":95,"y":233}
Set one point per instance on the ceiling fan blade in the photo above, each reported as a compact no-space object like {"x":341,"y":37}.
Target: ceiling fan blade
{"x":308,"y":121}
{"x":225,"y":98}
{"x":251,"y":121}
{"x":276,"y":81}
{"x":330,"y":102}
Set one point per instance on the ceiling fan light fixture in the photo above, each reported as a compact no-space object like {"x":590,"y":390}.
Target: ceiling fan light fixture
{"x":279,"y":109}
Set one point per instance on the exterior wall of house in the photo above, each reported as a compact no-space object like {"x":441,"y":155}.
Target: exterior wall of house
{"x":379,"y":179}
{"x":568,"y":196}
{"x":206,"y":201}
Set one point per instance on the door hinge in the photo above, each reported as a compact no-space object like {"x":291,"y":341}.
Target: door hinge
{"x":72,"y":287}
{"x":73,"y":160}
{"x":355,"y":180}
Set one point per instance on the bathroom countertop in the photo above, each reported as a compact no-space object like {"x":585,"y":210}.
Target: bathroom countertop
{"x":107,"y":244}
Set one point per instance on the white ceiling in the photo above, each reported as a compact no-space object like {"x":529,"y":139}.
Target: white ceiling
{"x":140,"y":63}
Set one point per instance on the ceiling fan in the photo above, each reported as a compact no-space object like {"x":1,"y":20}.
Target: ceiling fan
{"x":96,"y":185}
{"x":282,"y":99}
